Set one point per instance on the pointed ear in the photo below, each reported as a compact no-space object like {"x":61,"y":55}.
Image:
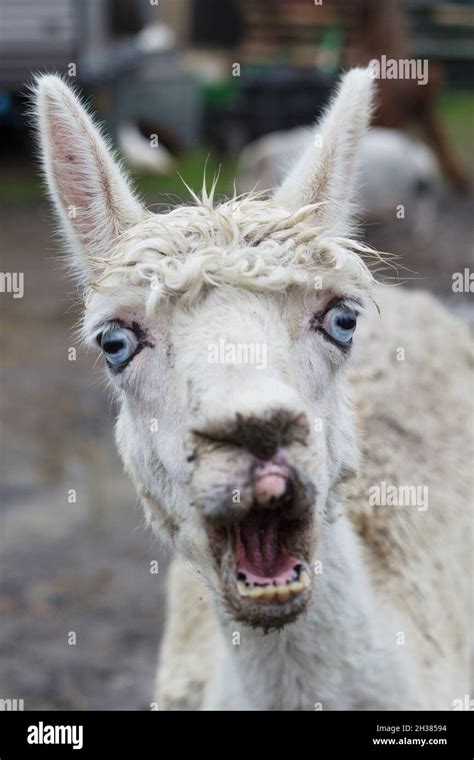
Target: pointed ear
{"x":326,"y":172}
{"x":91,"y":193}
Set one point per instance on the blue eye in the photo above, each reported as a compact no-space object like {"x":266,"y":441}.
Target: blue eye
{"x":340,"y":323}
{"x":118,"y":345}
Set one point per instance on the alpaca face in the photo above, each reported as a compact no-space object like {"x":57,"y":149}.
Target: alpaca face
{"x":225,"y":331}
{"x":235,"y":456}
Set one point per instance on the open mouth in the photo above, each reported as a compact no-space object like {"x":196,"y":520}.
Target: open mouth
{"x":264,"y":565}
{"x":265,"y":570}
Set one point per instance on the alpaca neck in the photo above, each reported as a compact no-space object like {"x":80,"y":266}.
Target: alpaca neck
{"x":337,"y":646}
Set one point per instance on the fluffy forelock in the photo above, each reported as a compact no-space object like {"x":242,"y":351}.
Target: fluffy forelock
{"x":246,"y":242}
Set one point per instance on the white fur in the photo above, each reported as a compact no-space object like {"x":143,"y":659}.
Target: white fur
{"x":327,"y":169}
{"x":81,"y":174}
{"x":246,"y":271}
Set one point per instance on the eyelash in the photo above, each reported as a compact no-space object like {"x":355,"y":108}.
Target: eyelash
{"x":134,"y":327}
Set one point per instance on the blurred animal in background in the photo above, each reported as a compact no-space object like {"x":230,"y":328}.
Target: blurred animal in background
{"x":379,"y":27}
{"x":145,"y":153}
{"x":399,"y":180}
{"x":399,"y":176}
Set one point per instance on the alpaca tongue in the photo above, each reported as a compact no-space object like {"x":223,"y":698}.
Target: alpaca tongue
{"x":260,"y":551}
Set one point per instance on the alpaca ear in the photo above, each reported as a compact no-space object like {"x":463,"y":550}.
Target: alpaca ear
{"x":91,"y":194}
{"x":326,"y":172}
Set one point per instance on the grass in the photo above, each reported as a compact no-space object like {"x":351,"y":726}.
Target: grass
{"x":191,"y":169}
{"x":22,"y":186}
{"x":456,"y":109}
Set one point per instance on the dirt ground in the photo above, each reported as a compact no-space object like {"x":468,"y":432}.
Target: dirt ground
{"x":80,"y":567}
{"x":83,"y":568}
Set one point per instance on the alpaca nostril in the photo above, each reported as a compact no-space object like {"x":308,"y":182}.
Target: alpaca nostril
{"x":268,"y":488}
{"x":272,"y":484}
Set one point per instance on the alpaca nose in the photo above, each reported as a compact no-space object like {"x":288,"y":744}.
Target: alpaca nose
{"x":272,"y":483}
{"x":261,"y":435}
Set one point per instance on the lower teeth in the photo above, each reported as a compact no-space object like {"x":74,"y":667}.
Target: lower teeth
{"x":281,"y":592}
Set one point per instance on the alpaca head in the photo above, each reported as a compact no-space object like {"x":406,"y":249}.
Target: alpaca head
{"x":225,"y":329}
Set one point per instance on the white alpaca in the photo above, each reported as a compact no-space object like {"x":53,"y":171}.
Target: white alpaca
{"x":302,"y":584}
